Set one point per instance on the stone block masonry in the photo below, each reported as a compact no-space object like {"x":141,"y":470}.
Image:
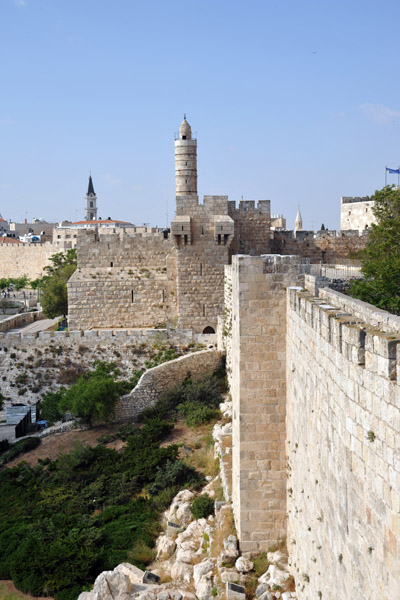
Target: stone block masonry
{"x":343,"y":424}
{"x":158,"y":379}
{"x":258,"y":387}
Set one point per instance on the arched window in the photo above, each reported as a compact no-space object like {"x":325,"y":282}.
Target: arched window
{"x":208,"y":330}
{"x":91,"y":204}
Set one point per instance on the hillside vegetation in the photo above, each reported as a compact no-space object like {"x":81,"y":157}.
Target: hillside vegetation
{"x":65,"y":521}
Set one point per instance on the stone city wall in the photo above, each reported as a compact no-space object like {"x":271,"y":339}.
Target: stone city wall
{"x":158,"y":379}
{"x":252,"y":226}
{"x":258,"y":387}
{"x":343,"y":469}
{"x":17,"y":260}
{"x":323,"y":246}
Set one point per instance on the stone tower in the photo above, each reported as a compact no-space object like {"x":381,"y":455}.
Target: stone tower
{"x":185,"y":161}
{"x":91,"y":206}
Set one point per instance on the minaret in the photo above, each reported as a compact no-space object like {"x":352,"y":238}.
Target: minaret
{"x":91,"y":198}
{"x":185,"y":161}
{"x":298,"y":225}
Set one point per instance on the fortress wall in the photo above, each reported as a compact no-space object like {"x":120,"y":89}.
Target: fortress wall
{"x":17,"y":260}
{"x":123,"y":281}
{"x":252,"y":227}
{"x":343,"y":423}
{"x":258,"y":388}
{"x":158,"y":379}
{"x":324,"y":246}
{"x":356,"y":213}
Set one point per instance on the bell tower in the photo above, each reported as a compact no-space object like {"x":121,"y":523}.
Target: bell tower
{"x":91,"y":199}
{"x":185,"y":161}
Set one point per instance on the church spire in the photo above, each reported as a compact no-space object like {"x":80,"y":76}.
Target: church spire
{"x":91,"y":206}
{"x":298,"y":226}
{"x":90,"y":187}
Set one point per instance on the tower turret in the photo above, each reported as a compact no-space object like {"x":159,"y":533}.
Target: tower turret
{"x":298,"y":226}
{"x":185,"y":161}
{"x":91,"y":199}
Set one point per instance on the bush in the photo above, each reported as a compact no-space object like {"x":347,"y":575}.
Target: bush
{"x":174,"y":474}
{"x":202,"y":507}
{"x":49,"y":406}
{"x":24,"y":445}
{"x":4,"y":445}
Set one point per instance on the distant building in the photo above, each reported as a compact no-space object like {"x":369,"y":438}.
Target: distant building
{"x":356,"y":213}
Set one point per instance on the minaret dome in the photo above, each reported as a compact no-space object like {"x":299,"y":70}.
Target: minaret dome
{"x":185,"y":161}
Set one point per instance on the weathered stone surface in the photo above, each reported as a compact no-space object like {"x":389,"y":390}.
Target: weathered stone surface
{"x":274,"y":576}
{"x":243,"y":565}
{"x":202,"y":575}
{"x":165,"y":547}
{"x":182,"y":572}
{"x":135,"y":575}
{"x":276,"y":557}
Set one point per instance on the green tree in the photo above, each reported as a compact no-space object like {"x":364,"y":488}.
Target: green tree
{"x":54,"y":297}
{"x":94,"y":396}
{"x":381,"y":257}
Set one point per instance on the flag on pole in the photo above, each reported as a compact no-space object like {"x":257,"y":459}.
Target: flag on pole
{"x":393,"y":171}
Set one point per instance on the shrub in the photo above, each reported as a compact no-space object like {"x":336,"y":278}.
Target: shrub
{"x":4,"y":445}
{"x":202,"y":507}
{"x":24,"y":445}
{"x":49,"y":406}
{"x":174,"y":474}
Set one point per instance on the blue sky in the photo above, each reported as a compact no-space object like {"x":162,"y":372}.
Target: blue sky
{"x":296,"y":102}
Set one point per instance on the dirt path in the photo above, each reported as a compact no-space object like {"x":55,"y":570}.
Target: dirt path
{"x":58,"y":443}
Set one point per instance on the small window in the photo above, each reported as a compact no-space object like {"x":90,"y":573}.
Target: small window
{"x":204,"y":310}
{"x":75,"y":235}
{"x":111,"y":264}
{"x":184,"y":137}
{"x":132,"y":296}
{"x":208,"y":330}
{"x":219,"y":239}
{"x":91,"y":204}
{"x":68,"y":236}
{"x":186,"y":240}
{"x":59,"y":237}
{"x":201,"y":268}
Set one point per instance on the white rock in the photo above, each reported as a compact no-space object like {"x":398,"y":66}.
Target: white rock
{"x":203,"y":569}
{"x":185,"y":556}
{"x":243,"y":565}
{"x":182,"y":572}
{"x":287,"y":596}
{"x":276,"y":557}
{"x":203,"y":589}
{"x":261,"y":589}
{"x":175,"y":595}
{"x":182,"y":497}
{"x":165,"y":547}
{"x":146,"y":595}
{"x":85,"y":596}
{"x":163,"y":595}
{"x":111,"y":585}
{"x":183,"y":514}
{"x":274,"y":576}
{"x":230,"y":544}
{"x":230,"y":575}
{"x":135,"y":575}
{"x":194,"y":531}
{"x":266,"y":596}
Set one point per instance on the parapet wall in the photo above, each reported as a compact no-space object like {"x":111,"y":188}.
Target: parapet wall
{"x":324,"y":246}
{"x":157,"y":380}
{"x":343,"y":424}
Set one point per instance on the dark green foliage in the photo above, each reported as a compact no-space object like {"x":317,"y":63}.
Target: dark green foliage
{"x":4,"y":445}
{"x":196,"y":400}
{"x":63,"y":522}
{"x":162,"y":356}
{"x":24,"y":445}
{"x":49,"y":406}
{"x":91,"y":399}
{"x":202,"y":507}
{"x":175,"y":475}
{"x":381,"y":257}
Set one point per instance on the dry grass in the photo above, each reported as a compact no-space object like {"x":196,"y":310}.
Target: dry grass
{"x":225,"y":529}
